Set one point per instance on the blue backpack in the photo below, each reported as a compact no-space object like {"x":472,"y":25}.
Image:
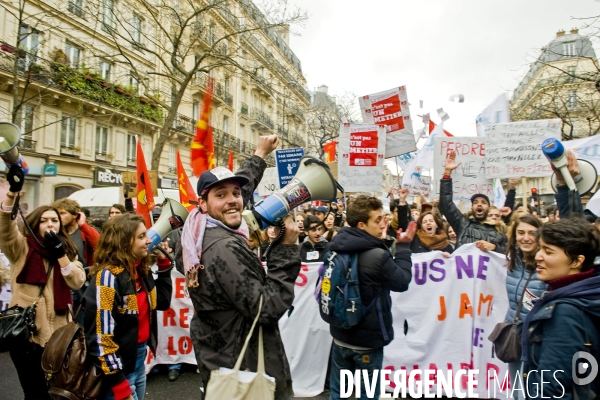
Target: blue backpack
{"x":338,"y":292}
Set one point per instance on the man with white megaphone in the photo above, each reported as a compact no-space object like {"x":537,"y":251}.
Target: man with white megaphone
{"x":226,"y":280}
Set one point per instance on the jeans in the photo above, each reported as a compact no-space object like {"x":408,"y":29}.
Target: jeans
{"x":348,"y":359}
{"x":136,"y":379}
{"x":28,"y":363}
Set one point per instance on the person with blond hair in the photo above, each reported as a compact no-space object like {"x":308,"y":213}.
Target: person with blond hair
{"x":121,"y":304}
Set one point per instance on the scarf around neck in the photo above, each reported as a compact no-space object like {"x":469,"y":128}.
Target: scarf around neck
{"x":34,"y":273}
{"x":192,"y":238}
{"x":439,"y":241}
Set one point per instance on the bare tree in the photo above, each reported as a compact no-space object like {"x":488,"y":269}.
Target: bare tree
{"x":324,"y":117}
{"x":186,"y":40}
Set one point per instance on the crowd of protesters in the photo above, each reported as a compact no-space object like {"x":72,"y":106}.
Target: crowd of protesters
{"x":552,"y":279}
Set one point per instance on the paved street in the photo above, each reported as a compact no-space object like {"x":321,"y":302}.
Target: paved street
{"x":159,"y":387}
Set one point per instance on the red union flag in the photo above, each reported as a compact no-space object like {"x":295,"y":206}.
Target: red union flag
{"x":187,"y":195}
{"x":145,"y":199}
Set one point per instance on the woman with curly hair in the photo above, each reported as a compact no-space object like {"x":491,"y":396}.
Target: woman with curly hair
{"x":121,"y":304}
{"x":41,"y":255}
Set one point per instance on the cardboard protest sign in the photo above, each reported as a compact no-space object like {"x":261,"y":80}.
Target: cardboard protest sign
{"x":361,"y":157}
{"x":269,"y":182}
{"x":469,"y":178}
{"x":390,"y":108}
{"x":514,"y":149}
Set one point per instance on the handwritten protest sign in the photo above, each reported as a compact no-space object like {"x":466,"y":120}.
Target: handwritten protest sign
{"x":450,"y":330}
{"x":514,"y":149}
{"x":361,"y":150}
{"x":269,"y":182}
{"x":390,"y":108}
{"x":469,"y":178}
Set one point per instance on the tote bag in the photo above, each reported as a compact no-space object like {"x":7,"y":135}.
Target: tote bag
{"x":233,"y":384}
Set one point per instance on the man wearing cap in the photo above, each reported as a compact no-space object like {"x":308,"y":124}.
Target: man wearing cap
{"x":320,"y":212}
{"x":468,"y":230}
{"x":226,"y":280}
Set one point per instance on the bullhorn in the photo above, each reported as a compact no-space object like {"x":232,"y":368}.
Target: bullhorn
{"x":10,"y":135}
{"x":313,"y":181}
{"x":584,"y":182}
{"x":172,"y":216}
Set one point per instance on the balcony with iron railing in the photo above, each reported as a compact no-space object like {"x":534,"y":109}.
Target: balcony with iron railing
{"x":262,"y":84}
{"x":220,"y":94}
{"x":243,"y":108}
{"x":260,"y":120}
{"x":296,"y":112}
{"x":183,"y":124}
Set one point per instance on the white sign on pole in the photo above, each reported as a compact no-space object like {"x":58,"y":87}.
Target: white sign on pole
{"x":586,"y":149}
{"x":269,"y":183}
{"x":495,"y":113}
{"x":514,"y":149}
{"x":361,"y":156}
{"x":390,"y":108}
{"x":469,"y":178}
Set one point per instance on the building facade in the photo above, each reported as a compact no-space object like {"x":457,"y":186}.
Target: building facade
{"x":85,"y":79}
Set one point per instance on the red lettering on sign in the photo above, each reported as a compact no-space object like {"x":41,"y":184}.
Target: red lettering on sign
{"x":183,"y":317}
{"x":169,"y":317}
{"x":170,"y":348}
{"x":179,"y":288}
{"x":301,"y":276}
{"x":185,"y":345}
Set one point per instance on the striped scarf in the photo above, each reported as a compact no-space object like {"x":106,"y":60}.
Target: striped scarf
{"x":192,"y":238}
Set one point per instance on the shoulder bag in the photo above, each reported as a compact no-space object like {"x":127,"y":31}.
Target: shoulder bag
{"x":17,"y":324}
{"x":505,"y":336}
{"x":233,"y":384}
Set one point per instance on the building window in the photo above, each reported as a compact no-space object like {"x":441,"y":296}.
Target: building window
{"x":102,"y":139}
{"x":227,"y":84}
{"x":68,"y":133}
{"x":108,"y":15}
{"x":136,"y":29}
{"x":225,"y":124}
{"x":172,"y":156}
{"x":134,"y":83}
{"x":105,"y":67}
{"x":73,"y":53}
{"x":131,"y":147}
{"x":76,"y":7}
{"x":29,"y":40}
{"x":25,"y":121}
{"x":569,"y":49}
{"x":572,"y":99}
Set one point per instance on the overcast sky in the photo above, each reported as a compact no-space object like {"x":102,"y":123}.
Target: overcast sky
{"x":437,"y":48}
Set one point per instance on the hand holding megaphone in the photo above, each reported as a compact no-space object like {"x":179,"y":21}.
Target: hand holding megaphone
{"x":567,"y":169}
{"x":578,"y":175}
{"x":15,"y":178}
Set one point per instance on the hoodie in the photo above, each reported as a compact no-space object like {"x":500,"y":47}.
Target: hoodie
{"x":562,"y":323}
{"x":377,"y":277}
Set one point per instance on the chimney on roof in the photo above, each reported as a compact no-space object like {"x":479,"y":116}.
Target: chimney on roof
{"x":574,"y":31}
{"x":560,"y":33}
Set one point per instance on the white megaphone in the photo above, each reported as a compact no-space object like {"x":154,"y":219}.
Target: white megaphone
{"x":584,"y":182}
{"x":313,"y":181}
{"x":172,"y":216}
{"x":10,"y":135}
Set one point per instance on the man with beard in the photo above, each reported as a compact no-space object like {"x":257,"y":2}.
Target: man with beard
{"x":226,"y":280}
{"x":469,"y":230}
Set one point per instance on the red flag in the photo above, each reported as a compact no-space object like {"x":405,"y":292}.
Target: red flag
{"x":187,"y":195}
{"x":143,"y":190}
{"x":202,"y":147}
{"x":230,"y":161}
{"x":330,"y":149}
{"x":432,"y":127}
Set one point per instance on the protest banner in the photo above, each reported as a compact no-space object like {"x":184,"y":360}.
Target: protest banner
{"x":390,"y":108}
{"x":269,"y":182}
{"x":449,"y":332}
{"x":469,"y":178}
{"x":586,"y":149}
{"x":495,"y":113}
{"x":288,"y":162}
{"x":414,"y":180}
{"x":514,"y":149}
{"x":361,"y":152}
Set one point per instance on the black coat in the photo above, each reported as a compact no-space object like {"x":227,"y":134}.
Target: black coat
{"x":307,"y":246}
{"x":377,"y":277}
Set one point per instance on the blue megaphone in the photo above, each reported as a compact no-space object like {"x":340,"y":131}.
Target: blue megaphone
{"x":554,"y":150}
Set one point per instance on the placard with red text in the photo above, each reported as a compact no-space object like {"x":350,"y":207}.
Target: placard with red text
{"x":469,"y":178}
{"x":361,"y":155}
{"x":390,"y":108}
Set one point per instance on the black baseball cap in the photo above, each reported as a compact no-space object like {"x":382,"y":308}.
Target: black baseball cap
{"x":480,"y":195}
{"x":219,"y":174}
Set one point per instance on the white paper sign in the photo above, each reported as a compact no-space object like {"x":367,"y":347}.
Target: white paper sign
{"x":390,"y":108}
{"x":469,"y":178}
{"x":361,"y":155}
{"x":269,"y":183}
{"x":586,"y":149}
{"x":514,"y":149}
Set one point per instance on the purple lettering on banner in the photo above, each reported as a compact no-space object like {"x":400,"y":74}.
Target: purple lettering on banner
{"x":420,"y":270}
{"x":435,"y":268}
{"x":482,"y":268}
{"x":462,"y":266}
